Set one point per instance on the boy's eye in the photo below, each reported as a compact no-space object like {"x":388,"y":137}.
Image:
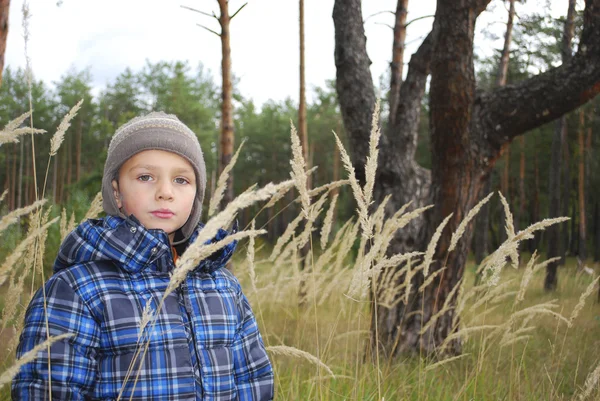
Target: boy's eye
{"x":181,"y":180}
{"x":144,"y":177}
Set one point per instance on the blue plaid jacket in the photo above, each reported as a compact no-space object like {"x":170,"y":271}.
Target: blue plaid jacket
{"x":204,"y":345}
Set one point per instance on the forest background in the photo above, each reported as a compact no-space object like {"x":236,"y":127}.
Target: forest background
{"x":190,"y":92}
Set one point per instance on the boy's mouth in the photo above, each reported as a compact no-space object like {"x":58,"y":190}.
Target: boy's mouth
{"x":163,"y":213}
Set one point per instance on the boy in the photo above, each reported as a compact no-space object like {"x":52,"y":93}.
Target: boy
{"x":110,"y":273}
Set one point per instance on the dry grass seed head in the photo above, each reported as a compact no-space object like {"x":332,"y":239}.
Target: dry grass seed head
{"x":540,"y":225}
{"x":433,"y":244}
{"x":363,"y":212}
{"x":296,"y":353}
{"x":11,"y":132}
{"x":326,"y":229}
{"x":12,"y":259}
{"x":444,"y":361}
{"x":147,"y":316}
{"x":59,"y":136}
{"x":527,"y":275}
{"x":491,"y":293}
{"x":327,"y":256}
{"x":510,"y":231}
{"x":448,"y":305}
{"x":250,"y":259}
{"x":63,"y":224}
{"x":378,"y":218}
{"x":285,"y":237}
{"x":14,"y":216}
{"x":298,"y":172}
{"x":190,"y":259}
{"x":40,"y":247}
{"x":95,"y":208}
{"x":28,"y":357}
{"x":215,"y":200}
{"x":588,"y":291}
{"x":372,"y":159}
{"x":463,"y":224}
{"x":3,"y":195}
{"x":591,"y":382}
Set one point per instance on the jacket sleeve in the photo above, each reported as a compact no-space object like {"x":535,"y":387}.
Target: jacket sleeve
{"x":72,"y":360}
{"x":252,"y":368}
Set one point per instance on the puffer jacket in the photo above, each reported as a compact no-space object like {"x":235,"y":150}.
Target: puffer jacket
{"x":204,"y":344}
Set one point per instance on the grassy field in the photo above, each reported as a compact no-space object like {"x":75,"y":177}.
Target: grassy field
{"x":551,"y":364}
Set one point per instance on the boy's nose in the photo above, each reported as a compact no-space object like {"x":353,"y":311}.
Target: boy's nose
{"x":164,"y":191}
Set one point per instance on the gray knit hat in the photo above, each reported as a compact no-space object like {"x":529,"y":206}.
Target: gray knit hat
{"x":157,"y":131}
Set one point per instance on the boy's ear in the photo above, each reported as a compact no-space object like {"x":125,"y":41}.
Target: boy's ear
{"x":116,"y":193}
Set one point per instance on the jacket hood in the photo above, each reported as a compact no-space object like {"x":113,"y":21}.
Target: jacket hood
{"x":130,"y":245}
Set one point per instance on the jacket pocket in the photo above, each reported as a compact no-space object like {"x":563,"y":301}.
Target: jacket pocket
{"x":218,"y":380}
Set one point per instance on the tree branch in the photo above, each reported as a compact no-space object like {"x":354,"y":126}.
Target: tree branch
{"x":418,"y":19}
{"x":515,"y":109}
{"x":238,"y":10}
{"x":209,"y":30}
{"x":201,"y":12}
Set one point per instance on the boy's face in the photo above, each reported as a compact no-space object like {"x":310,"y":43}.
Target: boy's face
{"x":158,"y":188}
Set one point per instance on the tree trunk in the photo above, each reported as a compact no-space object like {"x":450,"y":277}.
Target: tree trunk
{"x":4,"y":9}
{"x":78,"y":150}
{"x":467,"y":131}
{"x":534,"y":205}
{"x":483,"y":218}
{"x":521,"y":209}
{"x":597,"y":232}
{"x":14,"y":178}
{"x":582,"y":221}
{"x":482,"y":225}
{"x":20,"y":178}
{"x":555,"y":247}
{"x":302,"y":126}
{"x":397,"y":65}
{"x":227,"y":134}
{"x":27,"y":182}
{"x":566,"y":196}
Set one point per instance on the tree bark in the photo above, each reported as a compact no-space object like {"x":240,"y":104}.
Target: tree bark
{"x":555,"y":246}
{"x":397,"y":65}
{"x":597,"y":232}
{"x":467,"y":131}
{"x":505,"y":55}
{"x":20,"y":179}
{"x":522,"y":165}
{"x":566,"y":196}
{"x":4,"y":9}
{"x":534,"y":205}
{"x":581,"y":187}
{"x":302,"y":126}
{"x":78,"y":150}
{"x":484,"y":214}
{"x":227,"y":127}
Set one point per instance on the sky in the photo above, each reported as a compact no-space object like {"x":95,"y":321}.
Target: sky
{"x":110,"y":35}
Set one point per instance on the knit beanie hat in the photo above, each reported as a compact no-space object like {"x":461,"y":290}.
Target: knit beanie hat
{"x":157,"y":131}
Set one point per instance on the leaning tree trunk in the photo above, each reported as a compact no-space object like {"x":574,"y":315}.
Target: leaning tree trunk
{"x":227,"y":135}
{"x":468,"y":130}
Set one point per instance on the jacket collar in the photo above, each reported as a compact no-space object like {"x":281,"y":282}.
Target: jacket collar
{"x":132,"y":246}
